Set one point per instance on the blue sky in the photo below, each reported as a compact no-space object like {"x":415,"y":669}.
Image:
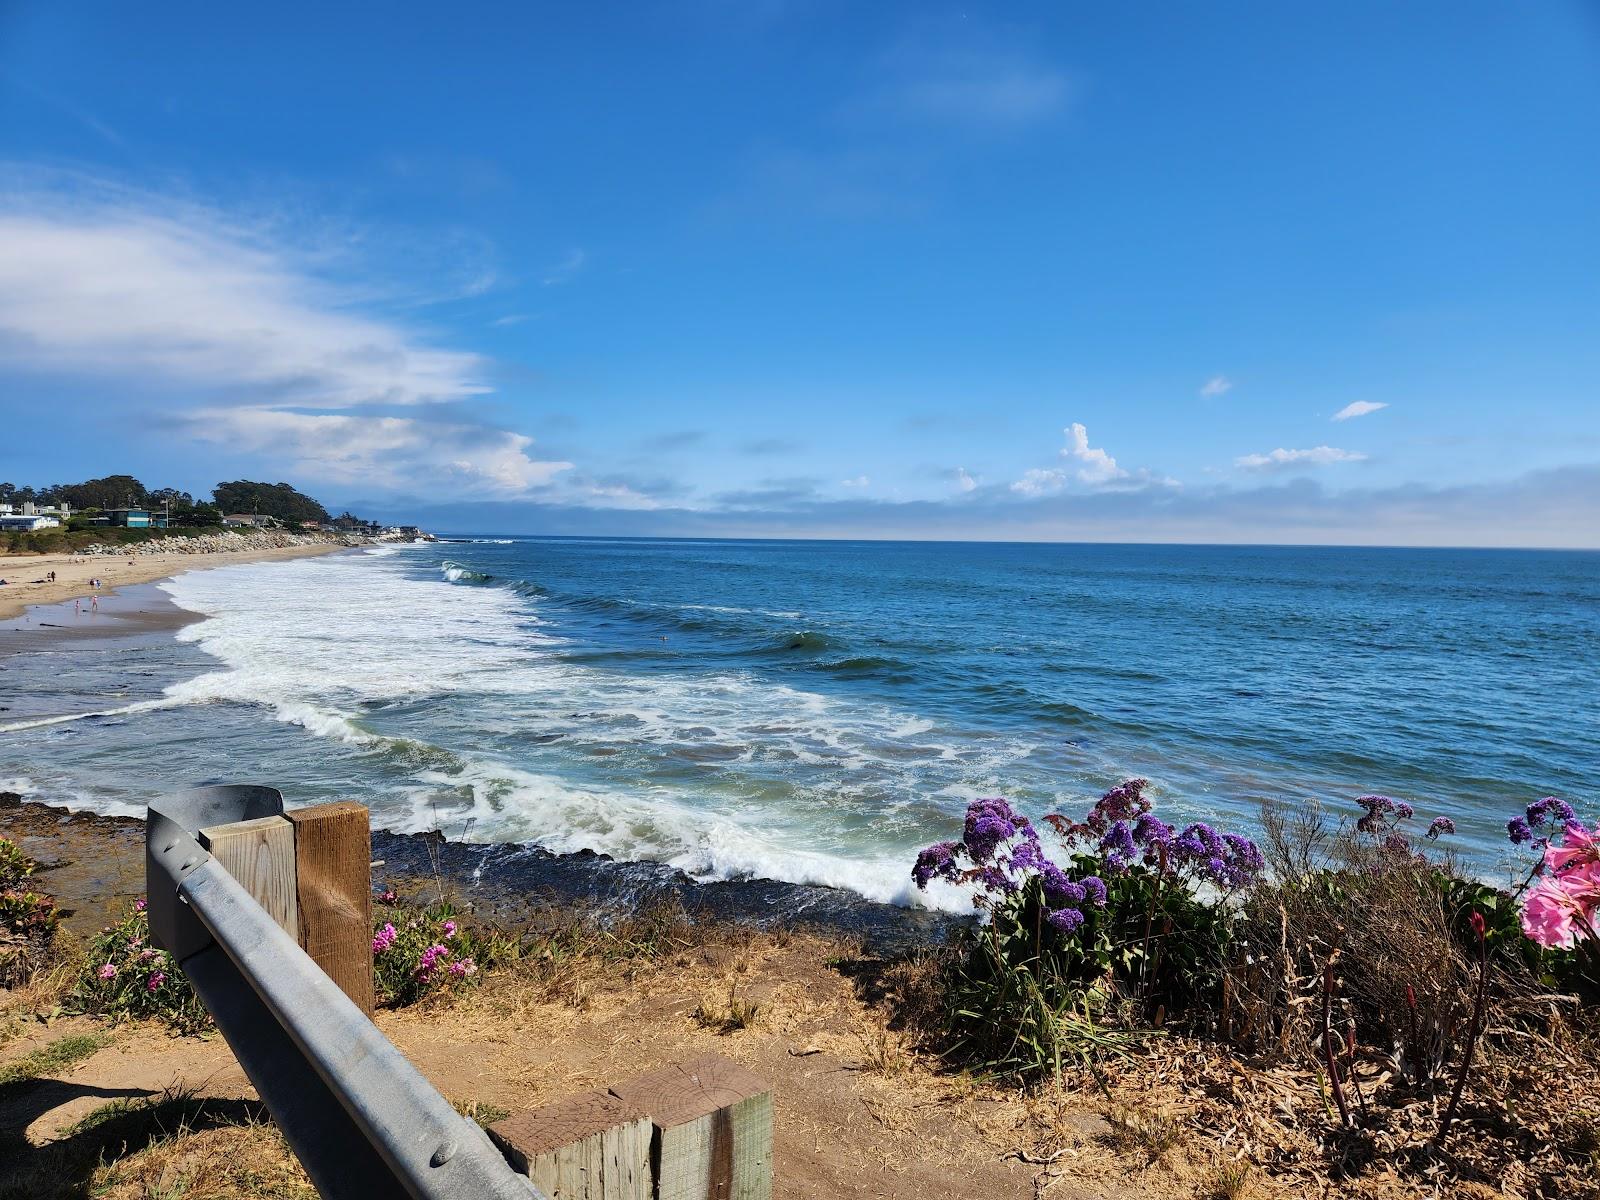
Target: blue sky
{"x":1243,"y":272}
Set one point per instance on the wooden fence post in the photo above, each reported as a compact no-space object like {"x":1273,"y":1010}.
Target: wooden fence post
{"x":260,"y":855}
{"x":712,"y":1129}
{"x":587,"y":1147}
{"x":333,"y":868}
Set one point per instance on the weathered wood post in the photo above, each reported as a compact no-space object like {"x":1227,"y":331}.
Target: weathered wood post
{"x":700,"y":1130}
{"x":260,"y":854}
{"x":587,"y":1147}
{"x":712,"y":1124}
{"x":333,"y":870}
{"x":311,"y":869}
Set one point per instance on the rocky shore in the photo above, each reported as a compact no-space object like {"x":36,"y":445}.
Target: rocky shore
{"x":229,"y":542}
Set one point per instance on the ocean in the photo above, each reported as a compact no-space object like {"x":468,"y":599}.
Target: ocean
{"x":815,"y":712}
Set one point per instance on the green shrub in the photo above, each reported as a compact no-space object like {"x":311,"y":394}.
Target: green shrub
{"x":126,"y":976}
{"x":15,"y":866}
{"x":28,"y":918}
{"x":1021,"y":998}
{"x":1135,"y":926}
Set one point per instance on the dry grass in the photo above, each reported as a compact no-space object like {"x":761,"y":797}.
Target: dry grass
{"x":1229,"y":1182}
{"x":1153,"y":1133}
{"x":243,"y":1161}
{"x":883,"y":1051}
{"x":48,"y":981}
{"x":728,"y":1013}
{"x":170,"y":1145}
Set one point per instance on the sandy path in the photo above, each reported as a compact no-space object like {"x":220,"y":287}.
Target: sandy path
{"x":21,"y":572}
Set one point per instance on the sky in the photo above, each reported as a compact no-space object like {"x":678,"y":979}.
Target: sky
{"x":1243,"y":272}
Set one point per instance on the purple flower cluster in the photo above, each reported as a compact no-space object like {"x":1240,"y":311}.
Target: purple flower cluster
{"x":1440,"y":827}
{"x":1549,"y":811}
{"x":1382,"y":813}
{"x":1003,"y":852}
{"x":1125,"y":832}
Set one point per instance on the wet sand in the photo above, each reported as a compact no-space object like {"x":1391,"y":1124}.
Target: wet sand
{"x":134,"y":610}
{"x":25,"y":573}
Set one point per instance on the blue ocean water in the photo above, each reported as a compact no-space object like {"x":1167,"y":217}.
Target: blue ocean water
{"x":816,"y":711}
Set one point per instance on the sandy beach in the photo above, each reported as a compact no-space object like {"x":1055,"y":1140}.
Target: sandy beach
{"x":25,"y":574}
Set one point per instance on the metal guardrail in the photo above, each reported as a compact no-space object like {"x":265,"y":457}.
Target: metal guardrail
{"x":363,"y":1121}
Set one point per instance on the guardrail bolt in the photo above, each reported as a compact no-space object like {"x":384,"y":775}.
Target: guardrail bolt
{"x":443,"y":1154}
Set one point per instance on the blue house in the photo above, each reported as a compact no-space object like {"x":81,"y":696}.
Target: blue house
{"x":134,"y":518}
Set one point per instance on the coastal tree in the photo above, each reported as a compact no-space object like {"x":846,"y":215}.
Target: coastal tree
{"x":279,"y":500}
{"x":110,"y":491}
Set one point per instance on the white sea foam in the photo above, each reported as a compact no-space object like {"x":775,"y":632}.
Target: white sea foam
{"x":60,"y":795}
{"x":457,"y":691}
{"x":68,"y":718}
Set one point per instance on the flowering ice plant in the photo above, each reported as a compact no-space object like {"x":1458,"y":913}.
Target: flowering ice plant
{"x":128,"y":977}
{"x":418,"y":951}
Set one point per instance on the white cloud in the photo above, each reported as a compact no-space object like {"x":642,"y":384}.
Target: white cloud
{"x":1040,"y":481}
{"x":1217,"y":385}
{"x":860,"y":481}
{"x":617,"y":495}
{"x":1280,"y":459}
{"x":954,"y":72}
{"x":1358,"y":408}
{"x":251,"y":343}
{"x":1096,"y":470}
{"x":964,"y":481}
{"x":1098,"y":466}
{"x":394,"y":453}
{"x":180,"y":293}
{"x":564,"y":270}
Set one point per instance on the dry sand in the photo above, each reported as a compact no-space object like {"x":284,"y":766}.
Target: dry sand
{"x":23,"y":572}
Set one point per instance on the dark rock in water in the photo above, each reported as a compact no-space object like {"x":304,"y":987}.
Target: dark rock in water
{"x":504,"y":877}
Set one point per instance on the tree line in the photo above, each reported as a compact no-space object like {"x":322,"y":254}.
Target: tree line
{"x":279,"y":500}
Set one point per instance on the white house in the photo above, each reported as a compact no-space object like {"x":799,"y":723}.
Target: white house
{"x":26,"y":522}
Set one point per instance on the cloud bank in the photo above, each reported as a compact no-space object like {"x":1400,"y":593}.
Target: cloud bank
{"x":1556,"y":508}
{"x":248,"y":341}
{"x":1281,"y":459}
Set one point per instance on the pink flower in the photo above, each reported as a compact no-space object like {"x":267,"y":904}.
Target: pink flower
{"x":430,"y":960}
{"x":156,"y":981}
{"x":463,"y":967}
{"x":388,"y":896}
{"x":146,"y":955}
{"x":139,"y":904}
{"x":383,"y":939}
{"x":135,"y":942}
{"x":1560,"y":909}
{"x":1578,"y":847}
{"x":107,"y":972}
{"x":449,"y":929}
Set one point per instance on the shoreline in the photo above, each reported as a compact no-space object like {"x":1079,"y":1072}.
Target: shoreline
{"x":26,"y":589}
{"x":95,"y":864}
